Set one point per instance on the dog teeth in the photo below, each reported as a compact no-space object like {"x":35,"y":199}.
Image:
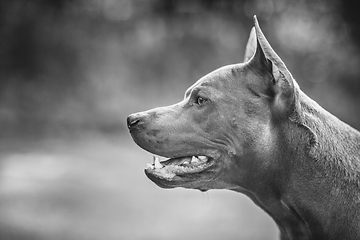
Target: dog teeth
{"x":194,"y":159}
{"x":156,"y":162}
{"x":203,"y":158}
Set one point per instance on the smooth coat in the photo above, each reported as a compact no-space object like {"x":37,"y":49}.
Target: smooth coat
{"x":268,"y":139}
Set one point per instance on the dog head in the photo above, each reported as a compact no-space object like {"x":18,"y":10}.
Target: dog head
{"x":221,"y":135}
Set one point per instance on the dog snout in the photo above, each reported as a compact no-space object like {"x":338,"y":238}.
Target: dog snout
{"x":133,"y":120}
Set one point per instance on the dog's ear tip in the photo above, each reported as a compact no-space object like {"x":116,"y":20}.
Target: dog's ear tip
{"x":255,"y":20}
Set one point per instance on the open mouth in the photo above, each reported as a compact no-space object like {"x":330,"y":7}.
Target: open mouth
{"x":180,"y":166}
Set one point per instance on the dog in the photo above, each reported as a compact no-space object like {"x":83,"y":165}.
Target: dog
{"x":249,"y":128}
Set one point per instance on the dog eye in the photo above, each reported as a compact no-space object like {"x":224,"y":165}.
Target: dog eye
{"x":200,"y":101}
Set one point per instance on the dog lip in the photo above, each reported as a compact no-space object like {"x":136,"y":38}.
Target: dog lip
{"x":173,"y":176}
{"x":189,"y":161}
{"x":213,"y":154}
{"x":173,"y":170}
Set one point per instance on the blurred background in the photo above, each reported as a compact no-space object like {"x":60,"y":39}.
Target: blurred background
{"x":71,"y":71}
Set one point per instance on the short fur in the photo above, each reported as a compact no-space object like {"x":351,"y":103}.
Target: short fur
{"x":268,"y":140}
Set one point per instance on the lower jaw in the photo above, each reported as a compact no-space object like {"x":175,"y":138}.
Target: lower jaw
{"x":171,"y":175}
{"x":161,"y":182}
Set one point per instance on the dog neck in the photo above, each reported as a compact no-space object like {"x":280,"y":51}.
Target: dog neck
{"x":269,"y":188}
{"x":305,"y":156}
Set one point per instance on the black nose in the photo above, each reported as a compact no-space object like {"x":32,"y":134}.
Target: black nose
{"x":132,"y":120}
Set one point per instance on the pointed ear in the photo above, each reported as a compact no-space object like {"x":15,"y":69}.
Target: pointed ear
{"x":283,"y":86}
{"x":250,"y":46}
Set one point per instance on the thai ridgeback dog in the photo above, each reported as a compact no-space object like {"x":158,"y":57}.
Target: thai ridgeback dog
{"x":248,"y":127}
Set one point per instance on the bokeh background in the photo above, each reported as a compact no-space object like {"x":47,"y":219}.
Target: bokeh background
{"x":72,"y":70}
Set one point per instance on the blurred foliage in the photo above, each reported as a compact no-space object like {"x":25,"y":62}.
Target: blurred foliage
{"x":86,"y":64}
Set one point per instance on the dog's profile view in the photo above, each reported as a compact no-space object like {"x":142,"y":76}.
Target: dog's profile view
{"x":249,"y":128}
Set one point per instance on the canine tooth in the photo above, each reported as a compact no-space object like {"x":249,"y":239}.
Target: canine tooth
{"x":194,"y":159}
{"x":157,"y":163}
{"x":149,"y":165}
